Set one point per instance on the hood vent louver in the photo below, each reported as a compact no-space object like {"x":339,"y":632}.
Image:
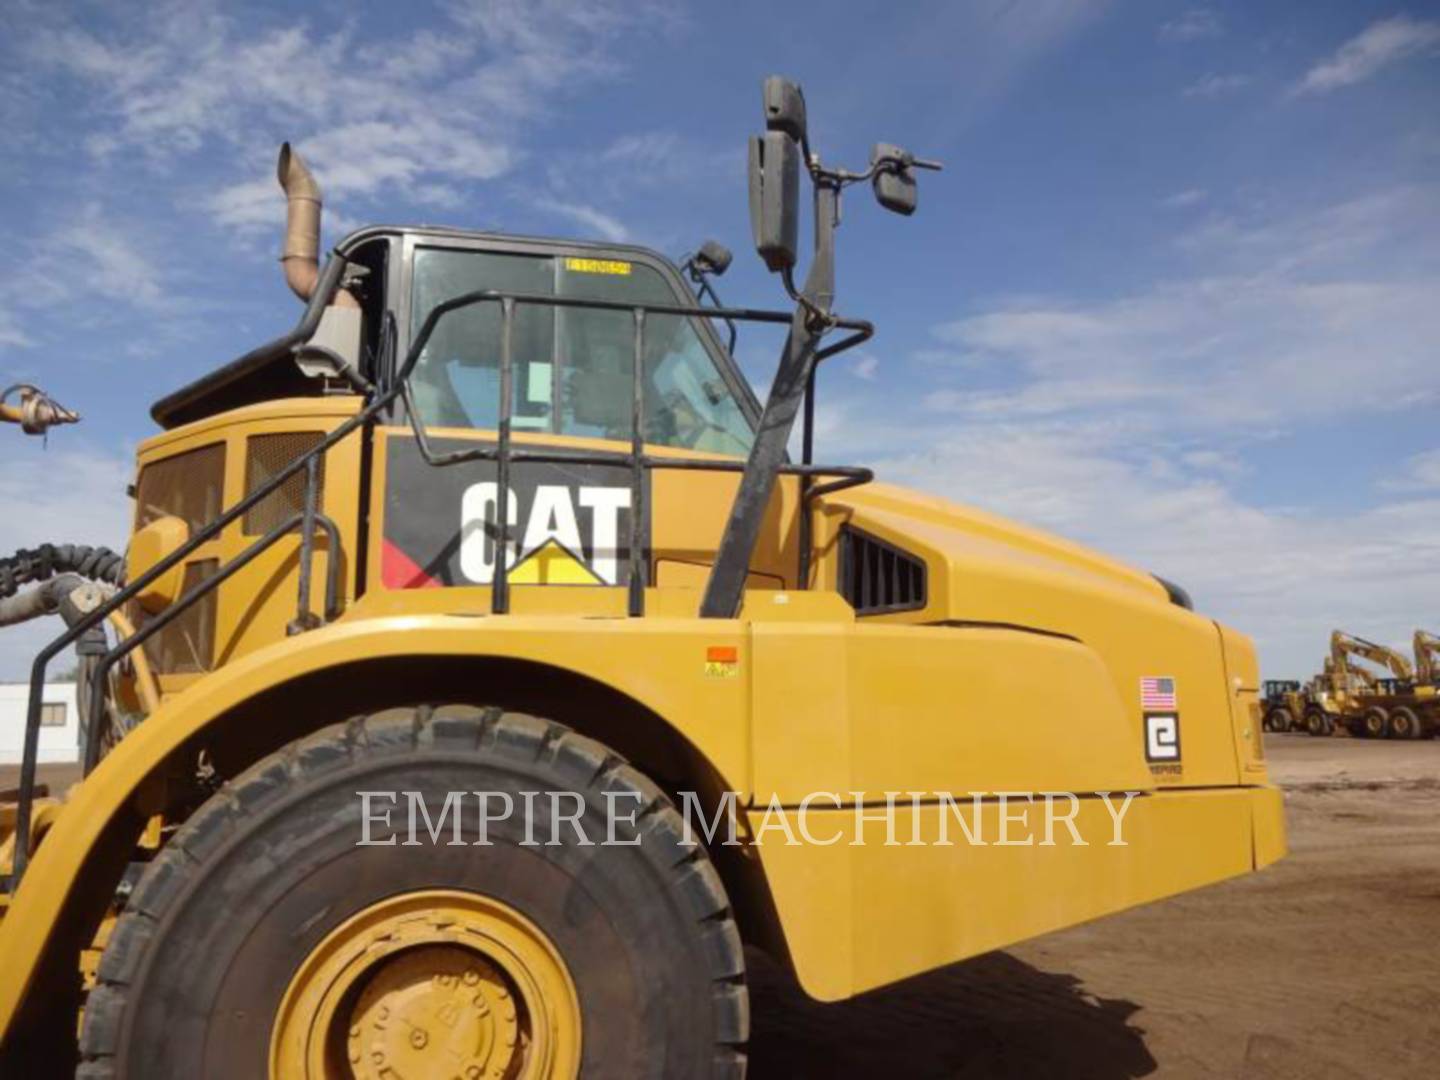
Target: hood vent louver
{"x":878,"y":578}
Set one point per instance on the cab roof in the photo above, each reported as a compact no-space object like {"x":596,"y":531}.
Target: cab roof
{"x":268,"y":371}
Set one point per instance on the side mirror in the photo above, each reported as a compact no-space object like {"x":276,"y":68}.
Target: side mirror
{"x":713,"y":258}
{"x":785,"y":108}
{"x":150,"y":544}
{"x":775,"y":196}
{"x":896,"y":191}
{"x":894,"y":180}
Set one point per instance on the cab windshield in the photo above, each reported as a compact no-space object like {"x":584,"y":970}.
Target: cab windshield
{"x":572,"y":366}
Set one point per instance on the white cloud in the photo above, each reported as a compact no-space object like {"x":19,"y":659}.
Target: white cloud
{"x":1275,"y":328}
{"x":975,"y":52}
{"x":249,"y":206}
{"x":1212,"y":351}
{"x":1192,"y":25}
{"x":1188,"y":197}
{"x":1394,"y":228}
{"x":588,"y":185}
{"x":601,"y":224}
{"x":417,"y":118}
{"x":103,"y":258}
{"x":1419,"y":472}
{"x":10,"y":333}
{"x":98,"y":264}
{"x":1126,"y":422}
{"x":1375,"y":48}
{"x":1221,"y":462}
{"x":866,"y":366}
{"x":1215,"y":85}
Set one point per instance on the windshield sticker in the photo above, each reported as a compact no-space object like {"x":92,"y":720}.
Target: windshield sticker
{"x":597,"y":266}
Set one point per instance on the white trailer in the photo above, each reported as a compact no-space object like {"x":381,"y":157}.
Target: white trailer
{"x":59,"y":723}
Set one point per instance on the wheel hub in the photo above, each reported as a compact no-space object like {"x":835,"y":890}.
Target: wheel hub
{"x":431,"y":983}
{"x":431,"y":1004}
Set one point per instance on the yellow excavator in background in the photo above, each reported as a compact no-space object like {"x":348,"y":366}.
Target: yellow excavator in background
{"x":1427,"y":659}
{"x":1366,"y":717}
{"x":1391,"y":706}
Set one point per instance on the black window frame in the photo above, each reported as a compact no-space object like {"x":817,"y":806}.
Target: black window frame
{"x":402,"y":275}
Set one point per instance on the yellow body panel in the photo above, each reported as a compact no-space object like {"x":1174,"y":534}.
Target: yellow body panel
{"x":911,"y":899}
{"x":863,"y":915}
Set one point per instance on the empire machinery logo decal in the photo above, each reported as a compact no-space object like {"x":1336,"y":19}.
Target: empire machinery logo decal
{"x":1159,"y":704}
{"x":568,"y":524}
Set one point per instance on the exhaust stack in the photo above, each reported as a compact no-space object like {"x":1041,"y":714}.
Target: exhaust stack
{"x":301,"y":254}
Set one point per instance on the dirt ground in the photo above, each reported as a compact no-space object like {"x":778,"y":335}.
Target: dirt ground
{"x":1326,"y":965}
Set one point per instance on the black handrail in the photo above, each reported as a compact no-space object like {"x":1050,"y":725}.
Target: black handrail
{"x":129,"y":592}
{"x":503,"y":454}
{"x":97,"y":720}
{"x":638,"y":461}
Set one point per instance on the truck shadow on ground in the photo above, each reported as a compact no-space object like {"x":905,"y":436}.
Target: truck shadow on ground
{"x":994,"y":1016}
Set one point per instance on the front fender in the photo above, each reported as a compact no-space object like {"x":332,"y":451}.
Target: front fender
{"x":658,"y":662}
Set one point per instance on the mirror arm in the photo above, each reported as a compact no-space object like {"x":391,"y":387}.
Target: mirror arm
{"x":819,"y":293}
{"x":703,"y":288}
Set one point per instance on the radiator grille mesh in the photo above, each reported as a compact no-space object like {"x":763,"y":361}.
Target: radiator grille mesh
{"x":191,"y":487}
{"x":265,"y":456}
{"x":187,"y":645}
{"x":188,"y":486}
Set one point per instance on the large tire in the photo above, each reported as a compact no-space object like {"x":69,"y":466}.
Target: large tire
{"x":1405,"y":724}
{"x":1318,"y":722}
{"x":1279,"y":720}
{"x":1375,"y":724}
{"x":202,"y":960}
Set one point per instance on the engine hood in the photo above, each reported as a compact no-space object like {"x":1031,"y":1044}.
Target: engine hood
{"x":983,"y":566}
{"x":982,"y":570}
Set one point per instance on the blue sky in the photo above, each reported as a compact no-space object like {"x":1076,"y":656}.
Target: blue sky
{"x":1177,"y":293}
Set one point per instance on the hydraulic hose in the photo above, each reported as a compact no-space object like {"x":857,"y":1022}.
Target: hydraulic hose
{"x":29,"y":566}
{"x":41,"y":600}
{"x":72,"y":580}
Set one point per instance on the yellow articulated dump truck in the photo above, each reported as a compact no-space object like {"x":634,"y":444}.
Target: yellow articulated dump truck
{"x":488,"y":669}
{"x":1401,"y":703}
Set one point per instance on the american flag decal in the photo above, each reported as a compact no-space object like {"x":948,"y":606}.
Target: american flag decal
{"x":1157,"y":692}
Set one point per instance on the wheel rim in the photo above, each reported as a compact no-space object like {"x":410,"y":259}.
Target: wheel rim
{"x":430,"y":983}
{"x":1375,"y":724}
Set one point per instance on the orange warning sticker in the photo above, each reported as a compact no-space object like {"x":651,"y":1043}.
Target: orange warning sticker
{"x":722,"y":661}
